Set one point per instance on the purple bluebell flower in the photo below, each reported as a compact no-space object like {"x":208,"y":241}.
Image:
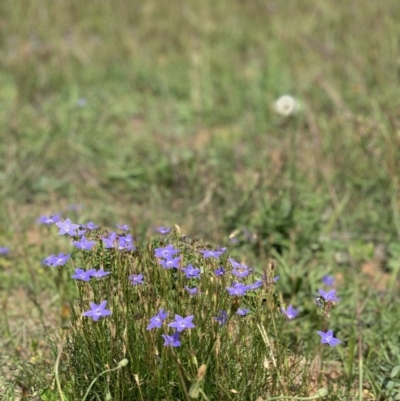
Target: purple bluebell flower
{"x":80,"y":232}
{"x":168,"y":252}
{"x":136,"y":279}
{"x":100,"y":273}
{"x":91,"y":226}
{"x":156,"y":321}
{"x":66,"y":227}
{"x":123,"y":227}
{"x":48,"y":261}
{"x":192,"y":291}
{"x":211,"y":254}
{"x":219,"y":272}
{"x":328,"y":296}
{"x":241,"y":273}
{"x":84,"y":244}
{"x":276,"y":279}
{"x":170,"y":262}
{"x":109,"y":242}
{"x":61,"y":259}
{"x":191,"y":272}
{"x":4,"y":250}
{"x":255,"y":285}
{"x":125,"y":243}
{"x":49,"y":219}
{"x":290,"y":312}
{"x":242,"y":312}
{"x":182,"y":323}
{"x":222,"y":317}
{"x":163,"y":230}
{"x":235,"y":264}
{"x":237,"y":289}
{"x":97,"y":311}
{"x":171,"y":341}
{"x":84,"y":275}
{"x":327,"y":338}
{"x":56,"y":260}
{"x":328,"y":280}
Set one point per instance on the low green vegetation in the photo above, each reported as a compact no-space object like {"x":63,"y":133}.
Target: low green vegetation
{"x":151,"y":113}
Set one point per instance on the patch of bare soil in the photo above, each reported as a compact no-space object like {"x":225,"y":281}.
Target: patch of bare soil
{"x":375,"y":275}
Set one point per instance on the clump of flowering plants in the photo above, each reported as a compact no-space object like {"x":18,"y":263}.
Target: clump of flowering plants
{"x":187,"y":321}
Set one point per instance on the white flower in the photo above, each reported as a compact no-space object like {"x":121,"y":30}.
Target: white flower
{"x":286,"y":105}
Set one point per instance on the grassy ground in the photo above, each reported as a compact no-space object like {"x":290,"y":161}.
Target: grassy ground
{"x":150,"y":113}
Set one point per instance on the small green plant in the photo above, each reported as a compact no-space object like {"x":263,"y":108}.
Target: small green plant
{"x":188,"y":321}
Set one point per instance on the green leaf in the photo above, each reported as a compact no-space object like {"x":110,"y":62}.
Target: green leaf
{"x":395,"y":371}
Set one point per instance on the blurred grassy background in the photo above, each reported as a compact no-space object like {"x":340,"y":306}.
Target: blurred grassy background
{"x":151,"y":112}
{"x":161,"y":111}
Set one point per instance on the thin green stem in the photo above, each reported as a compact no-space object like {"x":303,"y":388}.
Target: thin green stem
{"x":57,"y":364}
{"x":123,"y":363}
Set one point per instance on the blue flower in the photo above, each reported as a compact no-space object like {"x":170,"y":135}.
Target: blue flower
{"x":172,"y":341}
{"x":80,"y":232}
{"x":97,"y":311}
{"x":91,"y":226}
{"x":192,"y":291}
{"x":167,"y":252}
{"x":125,"y":243}
{"x":255,"y":285}
{"x":327,"y":338}
{"x":84,"y":275}
{"x":242,"y":312}
{"x":182,"y":323}
{"x":56,"y":260}
{"x":237,"y":289}
{"x":109,"y":242}
{"x":156,"y":321}
{"x":170,"y":262}
{"x":163,"y":230}
{"x":191,"y":272}
{"x":328,"y":280}
{"x":49,"y":219}
{"x":136,"y":279}
{"x":290,"y":312}
{"x":100,"y":273}
{"x":212,"y":254}
{"x":241,"y":273}
{"x":328,"y":296}
{"x":235,"y":264}
{"x":219,"y":272}
{"x":222,"y":317}
{"x":66,"y":227}
{"x":123,"y":227}
{"x":84,"y":244}
{"x":4,"y":250}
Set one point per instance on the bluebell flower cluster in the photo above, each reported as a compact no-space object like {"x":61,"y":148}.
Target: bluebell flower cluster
{"x":56,"y":260}
{"x":86,"y":275}
{"x":122,"y":242}
{"x":169,"y":257}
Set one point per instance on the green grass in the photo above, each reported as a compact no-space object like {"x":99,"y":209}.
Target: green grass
{"x":179,"y":128}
